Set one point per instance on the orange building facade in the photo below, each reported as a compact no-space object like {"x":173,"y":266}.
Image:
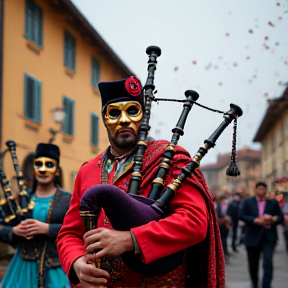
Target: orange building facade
{"x":52,"y":58}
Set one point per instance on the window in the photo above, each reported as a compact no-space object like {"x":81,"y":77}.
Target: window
{"x":68,"y":124}
{"x":95,"y":74}
{"x":286,"y":127}
{"x":32,"y":99}
{"x":94,"y":129}
{"x":69,"y":51}
{"x":34,"y":23}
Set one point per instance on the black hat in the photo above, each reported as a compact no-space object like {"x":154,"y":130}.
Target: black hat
{"x":129,"y":89}
{"x":47,"y":150}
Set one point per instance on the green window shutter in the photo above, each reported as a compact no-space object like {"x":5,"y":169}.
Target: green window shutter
{"x":38,"y":26}
{"x":94,"y":129}
{"x":68,"y":124}
{"x":73,"y":53}
{"x":32,"y":98}
{"x":95,"y":73}
{"x":34,"y":23}
{"x":66,"y":48}
{"x":28,"y":19}
{"x":69,"y":51}
{"x":37,"y":95}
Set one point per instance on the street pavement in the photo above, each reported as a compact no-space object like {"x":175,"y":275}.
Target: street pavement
{"x":237,"y":268}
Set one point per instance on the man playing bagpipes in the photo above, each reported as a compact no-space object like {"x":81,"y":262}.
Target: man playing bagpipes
{"x":190,"y":225}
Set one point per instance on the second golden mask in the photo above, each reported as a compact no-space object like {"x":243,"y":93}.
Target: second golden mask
{"x":45,"y":166}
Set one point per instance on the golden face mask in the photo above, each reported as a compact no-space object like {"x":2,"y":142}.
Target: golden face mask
{"x":123,"y":114}
{"x":45,"y":166}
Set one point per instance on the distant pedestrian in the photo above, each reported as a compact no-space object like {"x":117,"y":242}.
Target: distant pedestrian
{"x":233,"y":213}
{"x":224,"y":222}
{"x":281,"y":193}
{"x":261,"y":217}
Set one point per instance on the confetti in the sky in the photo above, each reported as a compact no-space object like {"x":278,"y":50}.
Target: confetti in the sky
{"x":270,"y":24}
{"x":208,"y":66}
{"x":194,"y":62}
{"x":266,"y":38}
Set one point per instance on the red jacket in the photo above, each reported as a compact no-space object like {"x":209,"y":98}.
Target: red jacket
{"x":187,"y":225}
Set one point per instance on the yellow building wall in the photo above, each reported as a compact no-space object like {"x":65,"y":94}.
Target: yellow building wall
{"x":48,"y":68}
{"x":275,"y":159}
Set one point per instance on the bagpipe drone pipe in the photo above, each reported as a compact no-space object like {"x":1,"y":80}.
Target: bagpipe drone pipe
{"x":13,"y":210}
{"x":116,"y":202}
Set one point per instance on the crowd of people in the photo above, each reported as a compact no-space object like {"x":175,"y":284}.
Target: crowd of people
{"x":57,"y":248}
{"x":252,"y":220}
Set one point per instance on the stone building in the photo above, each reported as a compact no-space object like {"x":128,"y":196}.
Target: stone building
{"x":248,"y":161}
{"x":273,"y":135}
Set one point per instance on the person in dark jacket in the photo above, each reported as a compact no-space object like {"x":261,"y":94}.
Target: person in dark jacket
{"x":261,"y":217}
{"x":224,"y":222}
{"x":233,"y":213}
{"x":36,"y":262}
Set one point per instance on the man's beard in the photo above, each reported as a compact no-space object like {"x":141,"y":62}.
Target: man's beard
{"x":125,"y":143}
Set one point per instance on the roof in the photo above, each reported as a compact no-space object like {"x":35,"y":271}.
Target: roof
{"x":276,"y":107}
{"x":242,"y":155}
{"x":87,"y":31}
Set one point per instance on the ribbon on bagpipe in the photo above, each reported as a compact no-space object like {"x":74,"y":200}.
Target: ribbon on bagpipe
{"x":116,"y":202}
{"x":14,"y":210}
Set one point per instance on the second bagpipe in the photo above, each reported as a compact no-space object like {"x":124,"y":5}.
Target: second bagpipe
{"x":155,"y":207}
{"x":14,"y":209}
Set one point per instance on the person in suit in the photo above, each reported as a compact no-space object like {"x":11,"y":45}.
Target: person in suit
{"x":261,"y":217}
{"x":233,"y":213}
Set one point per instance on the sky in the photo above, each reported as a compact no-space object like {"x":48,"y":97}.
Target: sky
{"x":226,"y":50}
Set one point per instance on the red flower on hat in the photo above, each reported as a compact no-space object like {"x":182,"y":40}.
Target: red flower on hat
{"x":133,"y":86}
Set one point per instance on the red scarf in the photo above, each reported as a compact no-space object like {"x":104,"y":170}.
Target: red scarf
{"x":210,"y":251}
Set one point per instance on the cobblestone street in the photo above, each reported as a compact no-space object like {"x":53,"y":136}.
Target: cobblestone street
{"x":237,"y":268}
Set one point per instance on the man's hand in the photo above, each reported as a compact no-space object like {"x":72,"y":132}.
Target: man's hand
{"x":111,"y":242}
{"x":259,"y":221}
{"x":34,"y":227}
{"x":269,"y":219}
{"x":88,"y":275}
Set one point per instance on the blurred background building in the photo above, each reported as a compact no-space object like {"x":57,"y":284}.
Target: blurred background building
{"x":273,"y":135}
{"x":51,"y":60}
{"x":249,"y":164}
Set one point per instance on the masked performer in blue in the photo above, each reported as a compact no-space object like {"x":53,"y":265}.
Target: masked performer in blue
{"x":36,"y":263}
